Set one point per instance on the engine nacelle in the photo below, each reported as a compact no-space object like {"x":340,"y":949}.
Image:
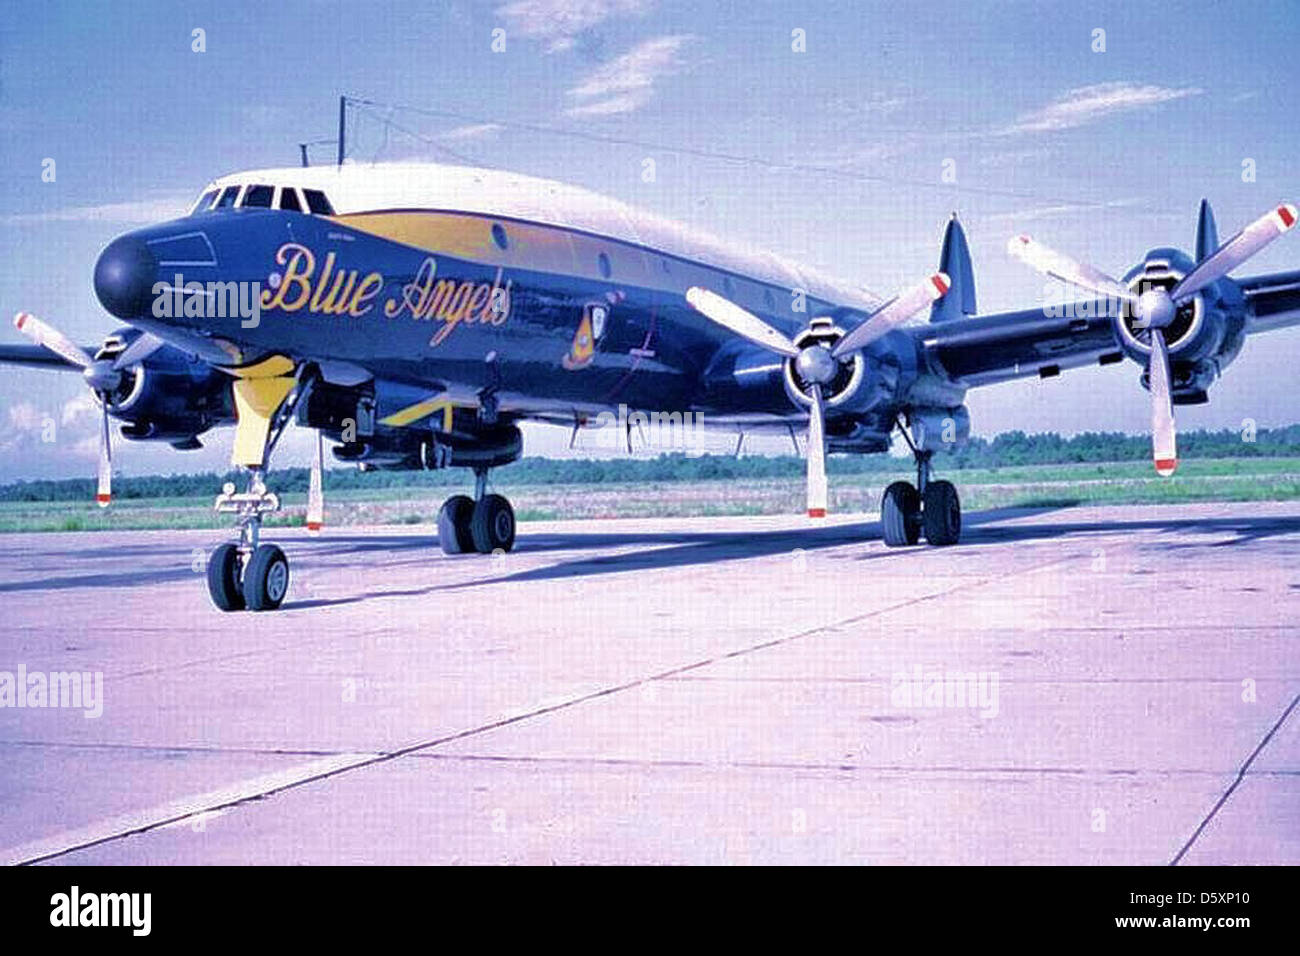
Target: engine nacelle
{"x":939,"y":429}
{"x":391,"y":449}
{"x":168,"y":396}
{"x":1207,"y":333}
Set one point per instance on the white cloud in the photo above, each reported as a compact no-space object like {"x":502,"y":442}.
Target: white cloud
{"x":1057,"y":211}
{"x":1087,"y":104}
{"x":135,"y":212}
{"x":627,"y":82}
{"x":558,"y":23}
{"x":471,"y":131}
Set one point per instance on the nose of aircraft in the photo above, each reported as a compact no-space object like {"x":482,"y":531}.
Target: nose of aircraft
{"x":124,"y":277}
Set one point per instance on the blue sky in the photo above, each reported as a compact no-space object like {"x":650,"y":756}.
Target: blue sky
{"x":1103,"y":154}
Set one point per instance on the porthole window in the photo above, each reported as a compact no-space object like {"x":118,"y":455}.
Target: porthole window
{"x":499,"y":235}
{"x":602,"y":261}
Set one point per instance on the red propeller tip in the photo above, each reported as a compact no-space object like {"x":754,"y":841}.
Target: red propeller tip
{"x":1166,"y":466}
{"x":816,"y":512}
{"x":19,"y":319}
{"x":313,"y":525}
{"x":1287,"y":214}
{"x":941,"y":283}
{"x":103,"y":500}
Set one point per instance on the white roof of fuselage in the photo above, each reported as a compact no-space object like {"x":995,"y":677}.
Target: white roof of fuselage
{"x":356,"y":187}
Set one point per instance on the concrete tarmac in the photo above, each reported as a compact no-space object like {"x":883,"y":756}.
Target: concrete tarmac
{"x":1085,"y":685}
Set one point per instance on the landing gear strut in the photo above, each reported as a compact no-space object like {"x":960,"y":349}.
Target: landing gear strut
{"x":249,"y":573}
{"x":485,"y":523}
{"x":929,"y":506}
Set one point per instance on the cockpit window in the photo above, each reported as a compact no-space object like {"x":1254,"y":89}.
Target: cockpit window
{"x":228,"y":196}
{"x":204,"y":202}
{"x":289,"y":199}
{"x":317,"y":202}
{"x":258,"y":195}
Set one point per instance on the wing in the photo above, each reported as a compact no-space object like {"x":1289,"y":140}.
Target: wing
{"x":1009,"y":345}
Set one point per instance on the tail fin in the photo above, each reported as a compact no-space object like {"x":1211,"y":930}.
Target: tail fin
{"x":1207,"y":234}
{"x":955,"y":261}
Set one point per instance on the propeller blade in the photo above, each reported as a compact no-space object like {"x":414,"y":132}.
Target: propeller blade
{"x":894,"y":313}
{"x":1059,"y":266}
{"x":315,"y":492}
{"x":745,"y":324}
{"x":144,"y":345}
{"x":104,"y":489}
{"x":1164,"y":438}
{"x":47,"y":335}
{"x":816,"y":457}
{"x":1237,"y":250}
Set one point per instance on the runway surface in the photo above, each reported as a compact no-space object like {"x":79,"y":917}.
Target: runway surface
{"x":731,"y":690}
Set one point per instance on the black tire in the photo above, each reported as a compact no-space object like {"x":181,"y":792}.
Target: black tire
{"x":900,"y":515}
{"x":266,"y":579}
{"x":223,"y":578}
{"x":493,"y":524}
{"x":941,"y":514}
{"x":454,"y":517}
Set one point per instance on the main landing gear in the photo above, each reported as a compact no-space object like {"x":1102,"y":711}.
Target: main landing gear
{"x":929,"y":506}
{"x":484,"y":523}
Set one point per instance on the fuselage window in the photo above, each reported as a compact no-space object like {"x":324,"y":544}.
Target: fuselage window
{"x":228,"y":197}
{"x":289,"y":199}
{"x":204,"y":201}
{"x":259,"y":195}
{"x":499,"y":235}
{"x":317,"y":202}
{"x":602,"y":260}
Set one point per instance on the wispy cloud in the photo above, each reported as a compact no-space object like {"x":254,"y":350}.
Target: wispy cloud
{"x":460,"y":134}
{"x":1056,"y":211}
{"x":1087,"y":104}
{"x":626,"y":83}
{"x":134,"y":212}
{"x":559,"y":23}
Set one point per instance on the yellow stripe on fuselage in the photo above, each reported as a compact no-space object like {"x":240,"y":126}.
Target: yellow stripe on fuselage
{"x":413,"y":413}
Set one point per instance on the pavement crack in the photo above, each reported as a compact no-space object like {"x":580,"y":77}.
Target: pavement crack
{"x":1241,"y":775}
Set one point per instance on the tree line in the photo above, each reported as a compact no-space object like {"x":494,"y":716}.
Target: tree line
{"x":1008,"y":449}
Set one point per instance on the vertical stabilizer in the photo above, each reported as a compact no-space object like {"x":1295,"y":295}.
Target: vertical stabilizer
{"x":954,"y":260}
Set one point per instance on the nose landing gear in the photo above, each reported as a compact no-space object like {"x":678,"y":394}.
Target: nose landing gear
{"x":248,"y":574}
{"x":930,"y":507}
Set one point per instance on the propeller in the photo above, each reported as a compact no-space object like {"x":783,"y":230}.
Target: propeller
{"x":101,"y":375}
{"x":815,"y":363}
{"x":1156,"y":307}
{"x":315,"y":492}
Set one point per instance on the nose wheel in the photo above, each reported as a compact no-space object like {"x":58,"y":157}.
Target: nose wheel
{"x":248,"y":575}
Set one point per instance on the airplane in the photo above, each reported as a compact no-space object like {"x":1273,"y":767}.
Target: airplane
{"x":414,"y":314}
